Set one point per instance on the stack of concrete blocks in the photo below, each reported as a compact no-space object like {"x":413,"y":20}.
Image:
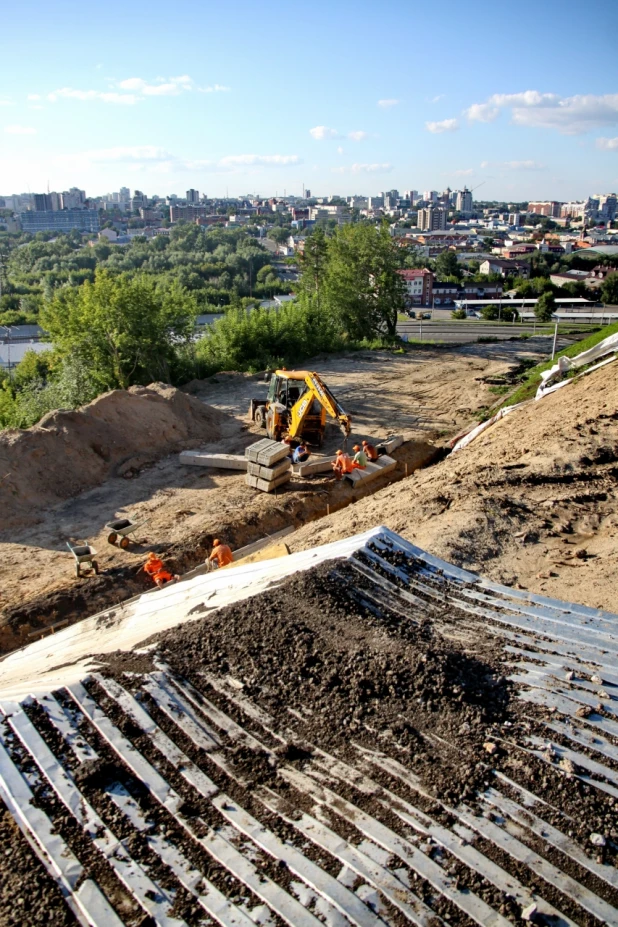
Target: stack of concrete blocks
{"x":268,"y":465}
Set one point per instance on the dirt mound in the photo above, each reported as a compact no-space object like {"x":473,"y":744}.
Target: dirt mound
{"x":532,"y":502}
{"x":115,"y":435}
{"x":349,"y":671}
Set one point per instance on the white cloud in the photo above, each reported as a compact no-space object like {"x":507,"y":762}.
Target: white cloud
{"x":526,"y":165}
{"x":607,"y":144}
{"x":130,"y":91}
{"x":364,"y":169}
{"x":446,"y":125}
{"x":158,"y":160}
{"x":19,"y":130}
{"x":106,"y":96}
{"x":386,"y":104}
{"x":129,"y":153}
{"x":358,"y":136}
{"x":437,"y":98}
{"x":319,"y":133}
{"x":464,"y":172}
{"x":339,"y":150}
{"x":568,"y":115}
{"x":6,"y":103}
{"x":250,"y":159}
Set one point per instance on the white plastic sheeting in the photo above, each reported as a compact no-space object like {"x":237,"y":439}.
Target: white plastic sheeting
{"x":565,"y":364}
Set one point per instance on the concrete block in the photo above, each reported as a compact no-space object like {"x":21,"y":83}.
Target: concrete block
{"x":267,"y":452}
{"x":268,"y":473}
{"x":221,"y":461}
{"x":372,"y":470}
{"x":315,"y":465}
{"x":267,"y":485}
{"x":390,"y":444}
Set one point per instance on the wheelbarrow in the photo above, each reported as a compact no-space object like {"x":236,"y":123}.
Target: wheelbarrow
{"x":122,"y":528}
{"x":83,"y":553}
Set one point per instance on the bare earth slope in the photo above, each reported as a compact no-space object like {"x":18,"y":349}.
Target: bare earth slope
{"x":70,"y":451}
{"x":531,"y":502}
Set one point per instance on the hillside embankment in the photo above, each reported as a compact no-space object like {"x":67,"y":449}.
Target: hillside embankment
{"x":70,"y":451}
{"x":428,"y":395}
{"x":531,"y":503}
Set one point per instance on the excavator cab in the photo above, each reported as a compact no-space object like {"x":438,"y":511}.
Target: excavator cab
{"x":284,"y":394}
{"x":298,"y":403}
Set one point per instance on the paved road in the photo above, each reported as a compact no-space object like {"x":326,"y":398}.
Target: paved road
{"x":463,"y":332}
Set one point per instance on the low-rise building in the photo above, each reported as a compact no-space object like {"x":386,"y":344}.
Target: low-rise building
{"x":418,"y":286}
{"x":64,"y":220}
{"x":505,"y":268}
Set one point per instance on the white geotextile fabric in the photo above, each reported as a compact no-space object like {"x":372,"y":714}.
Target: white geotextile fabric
{"x":602,"y":349}
{"x":607,"y":346}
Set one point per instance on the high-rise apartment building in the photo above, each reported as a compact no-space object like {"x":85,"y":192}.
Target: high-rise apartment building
{"x":193,"y":197}
{"x":42,"y":202}
{"x":432,"y":219}
{"x":608,"y":205}
{"x":463,"y":201}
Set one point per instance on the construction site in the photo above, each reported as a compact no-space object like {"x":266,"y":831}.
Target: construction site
{"x":397,"y":704}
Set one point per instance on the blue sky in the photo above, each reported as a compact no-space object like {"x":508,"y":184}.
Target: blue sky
{"x":343,"y":97}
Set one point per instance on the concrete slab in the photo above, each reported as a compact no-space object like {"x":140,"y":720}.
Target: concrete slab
{"x":317,"y":465}
{"x":372,"y":470}
{"x":267,"y":452}
{"x":268,"y":473}
{"x":267,"y":485}
{"x":390,"y":444}
{"x":221,"y":461}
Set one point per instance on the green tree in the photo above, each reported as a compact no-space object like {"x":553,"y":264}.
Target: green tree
{"x":545,"y":307}
{"x":364,"y":290}
{"x":609,"y":290}
{"x":447,"y":265}
{"x":125,"y":330}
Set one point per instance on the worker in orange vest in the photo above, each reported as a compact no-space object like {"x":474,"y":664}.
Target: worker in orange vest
{"x":156,"y":570}
{"x":221,"y":553}
{"x":342,"y":464}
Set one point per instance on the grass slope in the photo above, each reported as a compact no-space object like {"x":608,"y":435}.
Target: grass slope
{"x":532,"y":379}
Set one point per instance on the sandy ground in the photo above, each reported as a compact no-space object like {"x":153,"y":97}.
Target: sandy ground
{"x":428,"y":394}
{"x":531,"y":503}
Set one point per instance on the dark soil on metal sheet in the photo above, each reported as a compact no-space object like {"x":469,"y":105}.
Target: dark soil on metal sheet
{"x":28,"y":895}
{"x":354,"y":674}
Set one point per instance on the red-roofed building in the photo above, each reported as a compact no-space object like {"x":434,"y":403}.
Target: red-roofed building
{"x":419,"y":286}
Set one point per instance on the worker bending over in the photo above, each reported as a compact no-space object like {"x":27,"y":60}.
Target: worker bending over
{"x":300,"y":454}
{"x":342,"y":464}
{"x":156,"y":569}
{"x":221,"y":553}
{"x":370,"y":450}
{"x":359,"y":461}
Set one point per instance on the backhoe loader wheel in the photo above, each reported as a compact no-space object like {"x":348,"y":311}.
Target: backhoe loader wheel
{"x":259,"y":417}
{"x":112,"y":538}
{"x":124,"y":543}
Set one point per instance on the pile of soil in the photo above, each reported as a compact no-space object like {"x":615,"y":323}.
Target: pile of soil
{"x":530,"y":503}
{"x":311,"y":646}
{"x":117,"y":434}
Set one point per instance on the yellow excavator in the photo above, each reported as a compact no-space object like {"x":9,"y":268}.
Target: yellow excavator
{"x":297,"y":404}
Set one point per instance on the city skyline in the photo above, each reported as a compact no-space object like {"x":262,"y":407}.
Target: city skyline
{"x":331,"y":99}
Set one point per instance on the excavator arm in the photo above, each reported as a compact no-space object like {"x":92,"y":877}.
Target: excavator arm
{"x":317,"y":390}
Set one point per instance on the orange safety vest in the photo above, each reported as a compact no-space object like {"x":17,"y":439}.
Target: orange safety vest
{"x":222,"y":554}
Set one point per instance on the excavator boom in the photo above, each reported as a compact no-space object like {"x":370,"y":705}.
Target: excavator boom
{"x":316,"y":389}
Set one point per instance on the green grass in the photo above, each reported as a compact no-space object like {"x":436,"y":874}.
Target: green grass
{"x":532,"y":378}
